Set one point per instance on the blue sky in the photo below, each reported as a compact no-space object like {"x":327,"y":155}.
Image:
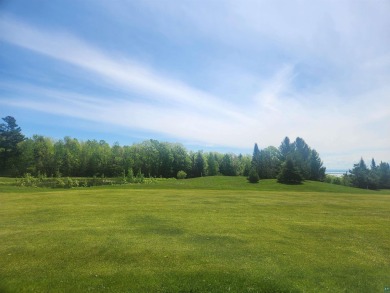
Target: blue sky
{"x":213,"y":75}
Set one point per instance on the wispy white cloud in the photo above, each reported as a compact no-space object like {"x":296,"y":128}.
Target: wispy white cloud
{"x":181,"y":103}
{"x":342,"y":46}
{"x":122,"y":71}
{"x":172,"y":121}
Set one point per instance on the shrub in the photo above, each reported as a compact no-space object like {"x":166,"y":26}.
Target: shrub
{"x":28,"y":180}
{"x":68,"y":182}
{"x":181,"y":175}
{"x":253,"y":176}
{"x":84,"y":183}
{"x":140,"y":178}
{"x":59,"y":183}
{"x":333,"y":179}
{"x":130,"y":176}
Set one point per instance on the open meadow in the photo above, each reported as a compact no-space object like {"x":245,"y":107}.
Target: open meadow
{"x":212,"y":234}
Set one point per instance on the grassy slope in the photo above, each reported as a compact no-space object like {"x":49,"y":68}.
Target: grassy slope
{"x":215,"y":234}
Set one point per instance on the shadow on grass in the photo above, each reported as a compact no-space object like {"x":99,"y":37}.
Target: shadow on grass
{"x":150,"y":224}
{"x":291,"y":183}
{"x":213,"y":281}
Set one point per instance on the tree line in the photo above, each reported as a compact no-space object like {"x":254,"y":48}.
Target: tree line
{"x":291,"y":162}
{"x":69,"y":157}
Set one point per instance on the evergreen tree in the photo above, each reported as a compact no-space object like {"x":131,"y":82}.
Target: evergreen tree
{"x":373,"y":176}
{"x":306,"y":160}
{"x":253,"y":176}
{"x":384,"y":175}
{"x":317,"y":171}
{"x":373,"y":164}
{"x":10,"y":136}
{"x":289,"y":173}
{"x":285,"y":149}
{"x":359,"y":174}
{"x":256,"y":159}
{"x":199,"y":165}
{"x":301,"y":154}
{"x":227,"y":167}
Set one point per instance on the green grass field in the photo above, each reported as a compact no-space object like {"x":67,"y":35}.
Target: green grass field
{"x":213,"y":234}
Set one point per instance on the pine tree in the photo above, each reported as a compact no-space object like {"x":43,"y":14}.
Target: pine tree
{"x":200,"y":165}
{"x":256,"y":159}
{"x":359,"y":174}
{"x":301,"y":155}
{"x":384,"y":175}
{"x":253,"y":176}
{"x":289,"y":173}
{"x":285,"y":149}
{"x":317,"y":171}
{"x":373,"y":176}
{"x":10,"y":136}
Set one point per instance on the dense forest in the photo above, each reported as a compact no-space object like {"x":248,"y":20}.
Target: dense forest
{"x":291,"y":162}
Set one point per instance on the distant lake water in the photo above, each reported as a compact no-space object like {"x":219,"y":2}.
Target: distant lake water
{"x":336,"y":172}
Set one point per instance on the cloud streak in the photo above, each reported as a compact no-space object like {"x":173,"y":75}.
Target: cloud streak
{"x":124,"y":72}
{"x":315,"y":81}
{"x":172,"y":121}
{"x":182,"y":111}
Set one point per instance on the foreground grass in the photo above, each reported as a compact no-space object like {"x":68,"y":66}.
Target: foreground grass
{"x":193,"y":236}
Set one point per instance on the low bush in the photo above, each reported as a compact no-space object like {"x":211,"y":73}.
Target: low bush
{"x":59,"y":182}
{"x":181,"y":175}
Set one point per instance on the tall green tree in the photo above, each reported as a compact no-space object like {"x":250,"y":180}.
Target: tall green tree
{"x":285,"y":149}
{"x":67,"y":153}
{"x":246,"y":163}
{"x":316,"y":169}
{"x":95,"y":158}
{"x":227,"y":166}
{"x":256,"y":159}
{"x":359,"y":174}
{"x":199,"y":164}
{"x":26,"y":158}
{"x":384,"y":175}
{"x":165,"y":160}
{"x":213,"y":165}
{"x":269,"y":162}
{"x":150,"y":158}
{"x":289,"y":173}
{"x":305,"y":159}
{"x":116,"y":165}
{"x":181,"y":159}
{"x":43,"y":152}
{"x":10,"y":136}
{"x":373,"y":176}
{"x":301,"y":155}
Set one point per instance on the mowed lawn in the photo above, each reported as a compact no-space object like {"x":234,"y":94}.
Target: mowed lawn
{"x":193,"y":236}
